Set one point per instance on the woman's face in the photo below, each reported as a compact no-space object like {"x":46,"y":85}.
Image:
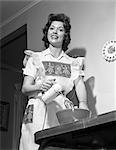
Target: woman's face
{"x":56,"y":33}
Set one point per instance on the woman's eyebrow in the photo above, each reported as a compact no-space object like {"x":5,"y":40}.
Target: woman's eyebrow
{"x":58,"y":27}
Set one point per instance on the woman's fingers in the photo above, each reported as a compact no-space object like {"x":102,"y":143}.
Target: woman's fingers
{"x":46,"y":85}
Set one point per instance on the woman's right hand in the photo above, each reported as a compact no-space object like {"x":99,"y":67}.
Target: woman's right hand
{"x":46,"y":84}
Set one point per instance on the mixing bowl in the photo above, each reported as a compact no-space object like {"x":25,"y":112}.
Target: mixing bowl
{"x":69,"y":116}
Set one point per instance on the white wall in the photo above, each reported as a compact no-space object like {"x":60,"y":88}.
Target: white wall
{"x":93,"y":23}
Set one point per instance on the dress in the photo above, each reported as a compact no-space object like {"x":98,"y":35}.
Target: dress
{"x":41,"y":114}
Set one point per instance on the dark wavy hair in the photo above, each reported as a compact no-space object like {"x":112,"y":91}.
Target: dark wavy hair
{"x":66,"y":23}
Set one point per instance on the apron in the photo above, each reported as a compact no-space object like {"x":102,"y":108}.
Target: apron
{"x":39,"y":114}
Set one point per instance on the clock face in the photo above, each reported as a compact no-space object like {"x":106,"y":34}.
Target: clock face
{"x":109,"y":51}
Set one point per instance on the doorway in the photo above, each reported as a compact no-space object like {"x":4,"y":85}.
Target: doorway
{"x":11,"y":62}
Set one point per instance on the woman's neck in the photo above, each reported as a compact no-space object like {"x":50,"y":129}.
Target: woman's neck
{"x":55,"y":51}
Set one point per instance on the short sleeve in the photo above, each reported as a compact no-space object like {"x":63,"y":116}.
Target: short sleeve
{"x":28,"y":53}
{"x":77,"y":67}
{"x":30,"y":68}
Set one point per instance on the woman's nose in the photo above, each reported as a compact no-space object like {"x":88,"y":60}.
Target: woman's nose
{"x":55,"y":31}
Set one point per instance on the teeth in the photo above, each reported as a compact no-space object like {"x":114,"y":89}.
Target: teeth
{"x":54,"y":36}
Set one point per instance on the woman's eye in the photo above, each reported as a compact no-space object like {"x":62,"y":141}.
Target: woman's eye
{"x":51,"y":28}
{"x":61,"y":30}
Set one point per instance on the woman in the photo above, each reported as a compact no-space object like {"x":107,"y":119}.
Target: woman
{"x":49,"y":76}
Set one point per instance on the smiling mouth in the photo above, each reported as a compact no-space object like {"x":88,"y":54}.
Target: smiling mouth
{"x":54,"y":37}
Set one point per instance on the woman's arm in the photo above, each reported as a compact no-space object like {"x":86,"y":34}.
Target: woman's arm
{"x":81,"y":92}
{"x":29,"y":87}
